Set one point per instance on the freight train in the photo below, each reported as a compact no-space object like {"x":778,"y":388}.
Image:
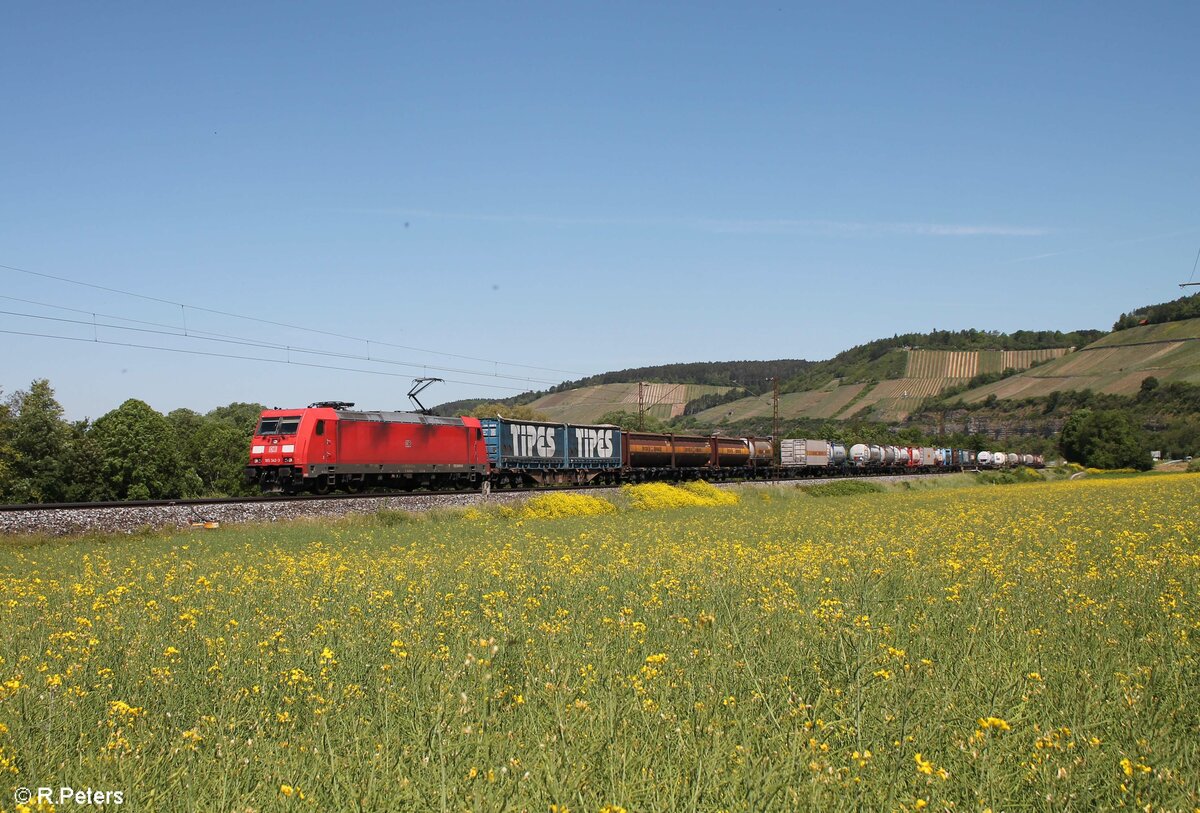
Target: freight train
{"x":329,"y":446}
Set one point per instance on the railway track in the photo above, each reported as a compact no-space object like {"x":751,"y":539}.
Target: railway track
{"x":212,"y":501}
{"x":65,"y":519}
{"x":400,"y":495}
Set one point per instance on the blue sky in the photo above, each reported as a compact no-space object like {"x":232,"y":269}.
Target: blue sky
{"x":578,"y":187}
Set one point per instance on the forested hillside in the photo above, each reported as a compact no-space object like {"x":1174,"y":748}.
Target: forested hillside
{"x":1116,"y":364}
{"x":1186,"y":307}
{"x":885,"y":359}
{"x":880,"y":360}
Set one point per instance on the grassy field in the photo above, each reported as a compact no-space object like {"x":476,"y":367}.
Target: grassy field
{"x":1021,"y":647}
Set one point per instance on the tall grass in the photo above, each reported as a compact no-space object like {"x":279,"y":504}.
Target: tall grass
{"x":1033,"y":646}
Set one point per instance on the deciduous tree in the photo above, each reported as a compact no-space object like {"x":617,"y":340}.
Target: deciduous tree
{"x":7,"y":455}
{"x":240,"y":415}
{"x":141,"y":455}
{"x":218,"y":452}
{"x":1105,"y":440}
{"x":38,"y":437}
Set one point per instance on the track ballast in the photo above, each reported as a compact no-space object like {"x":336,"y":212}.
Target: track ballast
{"x":134,"y":517}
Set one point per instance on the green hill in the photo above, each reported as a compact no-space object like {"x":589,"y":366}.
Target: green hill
{"x":711,"y":378}
{"x":1115,"y":364}
{"x":922,"y":373}
{"x":888,"y":359}
{"x":887,"y":380}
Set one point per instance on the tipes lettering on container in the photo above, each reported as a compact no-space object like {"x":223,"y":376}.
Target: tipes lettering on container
{"x":540,"y":441}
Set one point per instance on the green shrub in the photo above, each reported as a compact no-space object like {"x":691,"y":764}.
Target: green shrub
{"x":843,"y":489}
{"x":389,"y":517}
{"x":1021,"y":474}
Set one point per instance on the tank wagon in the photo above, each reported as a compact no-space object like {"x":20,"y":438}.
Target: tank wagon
{"x":329,"y":445}
{"x":651,"y":456}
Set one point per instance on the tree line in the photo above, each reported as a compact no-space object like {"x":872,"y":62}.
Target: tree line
{"x":130,"y":453}
{"x":1186,"y":307}
{"x":752,"y":374}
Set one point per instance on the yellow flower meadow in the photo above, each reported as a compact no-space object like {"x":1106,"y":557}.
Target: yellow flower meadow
{"x":550,"y":506}
{"x":959,"y":648}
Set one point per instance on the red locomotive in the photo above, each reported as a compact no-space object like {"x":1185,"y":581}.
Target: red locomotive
{"x":330,"y":446}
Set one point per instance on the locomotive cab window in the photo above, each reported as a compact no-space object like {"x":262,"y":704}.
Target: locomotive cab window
{"x":288,"y":425}
{"x":269,"y":426}
{"x":320,"y":428}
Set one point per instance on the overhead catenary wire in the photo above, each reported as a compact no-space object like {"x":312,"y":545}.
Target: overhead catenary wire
{"x":597,"y":398}
{"x":674,"y":388}
{"x":201,"y":309}
{"x":241,"y":358}
{"x":171,"y":330}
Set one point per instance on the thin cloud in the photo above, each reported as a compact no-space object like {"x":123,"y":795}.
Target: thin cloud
{"x":812,"y":227}
{"x":838,"y":228}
